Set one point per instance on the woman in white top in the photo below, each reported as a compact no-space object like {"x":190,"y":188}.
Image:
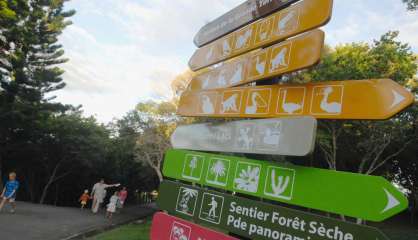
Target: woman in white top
{"x":99,"y":194}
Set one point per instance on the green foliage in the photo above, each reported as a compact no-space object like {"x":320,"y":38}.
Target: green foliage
{"x":5,"y":12}
{"x":386,"y":58}
{"x":370,"y":146}
{"x":159,"y":123}
{"x":412,"y":4}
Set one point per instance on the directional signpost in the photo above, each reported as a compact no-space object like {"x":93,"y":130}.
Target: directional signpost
{"x":287,"y":56}
{"x":298,"y":18}
{"x":246,"y":46}
{"x":287,"y":136}
{"x":355,"y":99}
{"x":244,"y":14}
{"x":256,"y":220}
{"x":368,"y":197}
{"x":166,"y":227}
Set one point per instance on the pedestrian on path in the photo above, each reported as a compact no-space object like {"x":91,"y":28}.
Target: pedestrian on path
{"x":84,"y":199}
{"x":9,"y":192}
{"x":99,"y":194}
{"x":123,"y":194}
{"x":111,"y":207}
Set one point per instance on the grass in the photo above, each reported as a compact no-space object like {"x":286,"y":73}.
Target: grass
{"x":127,"y":232}
{"x":402,"y":234}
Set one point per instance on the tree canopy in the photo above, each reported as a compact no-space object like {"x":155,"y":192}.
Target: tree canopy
{"x":412,"y":4}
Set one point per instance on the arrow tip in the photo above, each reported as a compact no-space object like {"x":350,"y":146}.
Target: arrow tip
{"x":392,"y":201}
{"x":397,"y":98}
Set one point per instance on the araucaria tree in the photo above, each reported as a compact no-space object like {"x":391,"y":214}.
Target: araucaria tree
{"x":29,"y":72}
{"x":412,"y":4}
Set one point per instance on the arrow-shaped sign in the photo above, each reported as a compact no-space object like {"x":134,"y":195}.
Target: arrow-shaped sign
{"x":355,"y":195}
{"x":286,"y":136}
{"x":166,"y":227}
{"x":242,"y":15}
{"x":288,"y":56}
{"x":298,"y":18}
{"x":383,"y":98}
{"x":256,"y":220}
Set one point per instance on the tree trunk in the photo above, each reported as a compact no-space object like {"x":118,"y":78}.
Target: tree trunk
{"x":56,"y":194}
{"x":45,"y":191}
{"x":159,"y":174}
{"x":1,"y":171}
{"x":50,"y":181}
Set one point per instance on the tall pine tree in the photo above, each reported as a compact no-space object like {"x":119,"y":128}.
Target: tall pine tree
{"x":30,"y":55}
{"x":412,"y":4}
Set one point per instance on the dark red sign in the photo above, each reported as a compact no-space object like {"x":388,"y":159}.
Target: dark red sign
{"x":166,"y":227}
{"x":246,"y":13}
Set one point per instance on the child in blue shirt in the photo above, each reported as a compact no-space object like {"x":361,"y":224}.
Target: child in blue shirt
{"x":9,"y":192}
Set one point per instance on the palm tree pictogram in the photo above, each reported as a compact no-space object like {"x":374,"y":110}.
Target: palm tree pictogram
{"x":218,"y":169}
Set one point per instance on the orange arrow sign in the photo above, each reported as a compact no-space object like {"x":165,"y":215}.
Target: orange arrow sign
{"x":298,"y":18}
{"x":295,"y":54}
{"x":354,"y":99}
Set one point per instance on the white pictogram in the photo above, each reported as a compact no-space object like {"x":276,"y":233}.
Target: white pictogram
{"x":193,"y":167}
{"x":245,"y":141}
{"x":285,"y":20}
{"x":237,"y":77}
{"x":221,"y":134}
{"x":243,"y":39}
{"x":280,"y":183}
{"x":186,"y":201}
{"x":329,"y":107}
{"x":209,"y":54}
{"x":226,"y":48}
{"x":211,"y":208}
{"x":272,"y":135}
{"x":392,"y":201}
{"x":248,"y":177}
{"x":207,"y":105}
{"x":279,"y":60}
{"x":221,"y":79}
{"x":260,"y":66}
{"x":264,"y":28}
{"x":218,"y":171}
{"x":180,"y":232}
{"x":290,"y":107}
{"x":256,"y":101}
{"x":205,"y":82}
{"x":397,"y":99}
{"x":230,"y":105}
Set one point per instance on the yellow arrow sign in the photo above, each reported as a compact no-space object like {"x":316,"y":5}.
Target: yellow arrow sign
{"x":298,"y":18}
{"x":295,"y":54}
{"x":383,"y":98}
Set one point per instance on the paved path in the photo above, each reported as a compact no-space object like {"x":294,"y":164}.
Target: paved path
{"x":37,"y":222}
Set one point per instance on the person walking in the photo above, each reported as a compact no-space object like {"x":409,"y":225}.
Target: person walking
{"x":123,"y":194}
{"x":9,"y":192}
{"x":99,"y":194}
{"x":84,"y":199}
{"x":111,"y":207}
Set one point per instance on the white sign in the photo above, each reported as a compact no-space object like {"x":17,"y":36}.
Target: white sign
{"x":288,"y":136}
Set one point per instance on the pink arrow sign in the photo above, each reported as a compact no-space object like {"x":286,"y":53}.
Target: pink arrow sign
{"x":166,"y":227}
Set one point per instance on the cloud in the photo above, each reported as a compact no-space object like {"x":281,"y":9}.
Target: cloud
{"x":357,"y":20}
{"x":125,"y":51}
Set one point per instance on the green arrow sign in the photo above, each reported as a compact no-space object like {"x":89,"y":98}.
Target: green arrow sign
{"x":355,"y":195}
{"x":256,"y":220}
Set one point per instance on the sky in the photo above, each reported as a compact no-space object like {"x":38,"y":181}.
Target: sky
{"x":123,"y":52}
